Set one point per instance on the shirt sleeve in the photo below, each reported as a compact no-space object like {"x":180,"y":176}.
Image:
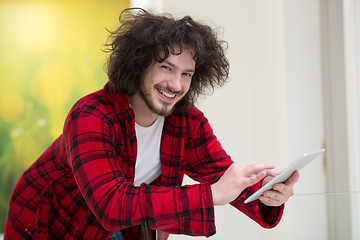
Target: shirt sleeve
{"x":265,"y":216}
{"x":117,"y":203}
{"x":207,"y":163}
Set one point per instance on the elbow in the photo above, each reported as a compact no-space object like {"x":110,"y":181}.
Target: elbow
{"x":114,"y":215}
{"x":109,"y":225}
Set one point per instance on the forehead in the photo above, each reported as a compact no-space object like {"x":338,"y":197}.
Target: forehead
{"x":181,"y":59}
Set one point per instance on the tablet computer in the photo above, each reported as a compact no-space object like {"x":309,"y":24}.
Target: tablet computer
{"x":301,"y":162}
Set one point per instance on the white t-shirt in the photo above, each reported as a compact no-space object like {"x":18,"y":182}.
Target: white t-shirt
{"x":148,"y":166}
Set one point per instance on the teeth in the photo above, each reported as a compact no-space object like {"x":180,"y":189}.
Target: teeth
{"x":166,"y":94}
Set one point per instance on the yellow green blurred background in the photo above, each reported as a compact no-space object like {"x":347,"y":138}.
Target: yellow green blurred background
{"x":50,"y":56}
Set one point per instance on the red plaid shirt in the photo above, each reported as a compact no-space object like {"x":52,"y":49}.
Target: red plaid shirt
{"x":82,"y":185}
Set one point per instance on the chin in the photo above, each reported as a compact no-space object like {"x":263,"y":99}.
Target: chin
{"x":164,"y":110}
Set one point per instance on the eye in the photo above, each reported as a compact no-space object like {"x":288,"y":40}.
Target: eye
{"x":187,"y":75}
{"x":165,"y":67}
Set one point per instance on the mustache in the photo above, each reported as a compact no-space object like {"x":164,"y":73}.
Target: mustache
{"x":168,"y":89}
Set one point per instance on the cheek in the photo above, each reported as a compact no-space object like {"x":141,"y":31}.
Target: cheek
{"x":186,"y":86}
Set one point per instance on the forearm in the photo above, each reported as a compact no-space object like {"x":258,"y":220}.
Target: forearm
{"x":185,"y":210}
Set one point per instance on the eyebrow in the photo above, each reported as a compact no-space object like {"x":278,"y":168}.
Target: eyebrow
{"x":174,"y":66}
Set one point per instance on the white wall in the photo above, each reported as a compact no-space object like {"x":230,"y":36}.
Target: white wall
{"x":342,"y":70}
{"x":271,"y":110}
{"x":305,"y":115}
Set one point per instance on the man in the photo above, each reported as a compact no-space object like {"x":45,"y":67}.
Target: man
{"x":125,"y":149}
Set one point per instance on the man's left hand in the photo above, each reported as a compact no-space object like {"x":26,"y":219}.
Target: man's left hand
{"x":281,"y":192}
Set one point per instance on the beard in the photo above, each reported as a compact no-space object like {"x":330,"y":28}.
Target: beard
{"x":164,"y":110}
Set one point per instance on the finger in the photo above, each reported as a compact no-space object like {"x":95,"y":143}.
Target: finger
{"x":280,"y":187}
{"x":293,"y":179}
{"x":251,"y":180}
{"x":266,"y":180}
{"x":270,"y":201}
{"x":282,"y":192}
{"x":269,"y":176}
{"x":279,"y":196}
{"x":271,"y":173}
{"x":257,"y":168}
{"x":275,"y":196}
{"x":254,"y":178}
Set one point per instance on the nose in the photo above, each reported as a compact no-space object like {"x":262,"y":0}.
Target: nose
{"x":175,"y":83}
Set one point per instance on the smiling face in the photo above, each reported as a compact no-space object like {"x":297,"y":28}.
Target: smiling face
{"x":166,"y":83}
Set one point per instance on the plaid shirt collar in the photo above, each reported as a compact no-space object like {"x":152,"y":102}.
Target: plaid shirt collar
{"x":120,"y":103}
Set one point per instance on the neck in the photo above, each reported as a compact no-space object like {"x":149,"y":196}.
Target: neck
{"x":143,"y":115}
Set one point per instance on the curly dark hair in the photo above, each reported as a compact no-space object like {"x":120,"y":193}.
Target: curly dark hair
{"x":142,"y":36}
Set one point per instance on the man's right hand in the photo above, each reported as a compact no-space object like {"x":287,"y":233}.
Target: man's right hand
{"x":235,"y":179}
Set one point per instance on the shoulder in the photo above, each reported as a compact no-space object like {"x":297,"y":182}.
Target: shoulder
{"x":92,"y":104}
{"x":193,"y":120}
{"x":96,"y":105}
{"x":192,"y":114}
{"x":196,"y":117}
